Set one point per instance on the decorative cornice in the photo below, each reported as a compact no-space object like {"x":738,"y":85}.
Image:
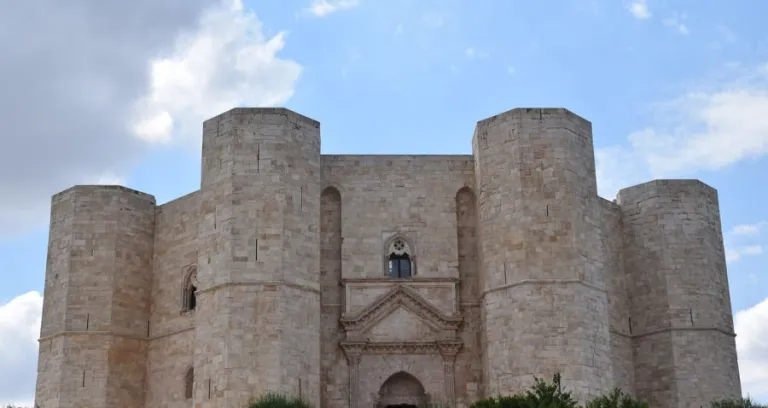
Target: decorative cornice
{"x":401,"y":295}
{"x":273,"y":283}
{"x":355,"y":349}
{"x":386,"y":279}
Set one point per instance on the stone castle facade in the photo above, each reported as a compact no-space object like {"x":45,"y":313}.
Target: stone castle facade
{"x":369,"y":281}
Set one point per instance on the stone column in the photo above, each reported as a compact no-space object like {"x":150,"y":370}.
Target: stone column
{"x":449,"y":350}
{"x":353,"y":351}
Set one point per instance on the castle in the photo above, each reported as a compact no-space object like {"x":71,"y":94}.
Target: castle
{"x":361,"y":281}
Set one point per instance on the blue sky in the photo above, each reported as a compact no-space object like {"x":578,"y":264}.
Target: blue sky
{"x":672,"y":88}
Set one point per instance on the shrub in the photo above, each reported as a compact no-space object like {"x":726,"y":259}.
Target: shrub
{"x":736,"y":403}
{"x":272,"y":400}
{"x":616,"y":399}
{"x":540,"y":395}
{"x":515,"y":401}
{"x":543,"y":394}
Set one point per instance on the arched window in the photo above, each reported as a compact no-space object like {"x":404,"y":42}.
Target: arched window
{"x":399,"y":266}
{"x":399,"y":262}
{"x":189,"y":298}
{"x":189,"y":379}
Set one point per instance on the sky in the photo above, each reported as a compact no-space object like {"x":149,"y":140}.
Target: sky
{"x":116,"y":92}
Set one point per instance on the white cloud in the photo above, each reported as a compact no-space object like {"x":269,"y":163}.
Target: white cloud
{"x":228,"y":62}
{"x":470,"y":52}
{"x":163,"y":67}
{"x":66,"y":99}
{"x":752,"y":250}
{"x":751,"y":326}
{"x":738,"y":233}
{"x":639,"y":9}
{"x":749,"y":229}
{"x":705,"y":129}
{"x":733,"y":255}
{"x":19,"y":331}
{"x":322,"y":8}
{"x":676,"y":22}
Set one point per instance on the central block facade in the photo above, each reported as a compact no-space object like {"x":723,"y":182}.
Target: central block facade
{"x":361,"y":281}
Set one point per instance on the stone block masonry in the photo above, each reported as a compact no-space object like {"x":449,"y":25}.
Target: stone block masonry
{"x":361,"y":281}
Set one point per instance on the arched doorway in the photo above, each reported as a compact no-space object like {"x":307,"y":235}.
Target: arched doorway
{"x":401,"y":390}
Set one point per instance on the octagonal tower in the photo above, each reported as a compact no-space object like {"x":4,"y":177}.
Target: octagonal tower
{"x":544,"y":303}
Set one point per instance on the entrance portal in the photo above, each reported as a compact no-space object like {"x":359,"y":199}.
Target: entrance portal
{"x":401,"y":390}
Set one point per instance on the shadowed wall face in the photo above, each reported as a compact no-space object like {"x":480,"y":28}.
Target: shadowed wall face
{"x":333,"y":363}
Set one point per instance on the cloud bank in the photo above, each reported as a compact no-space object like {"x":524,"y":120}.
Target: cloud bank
{"x":705,"y":129}
{"x":87,"y":84}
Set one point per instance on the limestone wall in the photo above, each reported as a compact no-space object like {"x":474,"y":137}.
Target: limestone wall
{"x":545,"y":305}
{"x":259,"y":259}
{"x":97,"y":298}
{"x":171,"y":342}
{"x":413,"y":195}
{"x":612,"y":248}
{"x":682,"y":325}
{"x":427,"y":369}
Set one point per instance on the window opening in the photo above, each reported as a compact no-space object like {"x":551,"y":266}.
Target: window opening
{"x":399,"y":266}
{"x":189,"y":378}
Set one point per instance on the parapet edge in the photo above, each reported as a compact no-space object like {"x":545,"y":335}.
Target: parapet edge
{"x":664,"y":184}
{"x":535,"y":113}
{"x":94,"y":187}
{"x":178,"y":199}
{"x":266,"y":111}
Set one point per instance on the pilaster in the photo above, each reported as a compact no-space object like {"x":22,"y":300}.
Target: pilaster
{"x":449,"y":350}
{"x":353,"y":351}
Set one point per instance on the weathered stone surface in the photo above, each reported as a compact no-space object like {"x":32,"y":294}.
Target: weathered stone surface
{"x":682,"y":326}
{"x":275,"y":276}
{"x":544,"y":294}
{"x":97,"y":298}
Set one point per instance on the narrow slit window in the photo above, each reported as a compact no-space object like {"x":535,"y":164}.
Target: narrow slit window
{"x":189,"y":379}
{"x":189,"y":297}
{"x":192,"y":297}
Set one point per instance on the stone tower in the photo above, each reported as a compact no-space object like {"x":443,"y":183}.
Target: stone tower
{"x":258,"y":323}
{"x":680,"y":305}
{"x":96,"y":304}
{"x":545,"y":308}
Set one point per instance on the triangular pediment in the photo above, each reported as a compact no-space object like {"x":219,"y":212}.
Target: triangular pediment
{"x":400,"y":298}
{"x":402,"y":324}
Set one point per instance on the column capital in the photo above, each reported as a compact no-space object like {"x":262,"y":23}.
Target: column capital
{"x":353,"y":350}
{"x":449,"y":349}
